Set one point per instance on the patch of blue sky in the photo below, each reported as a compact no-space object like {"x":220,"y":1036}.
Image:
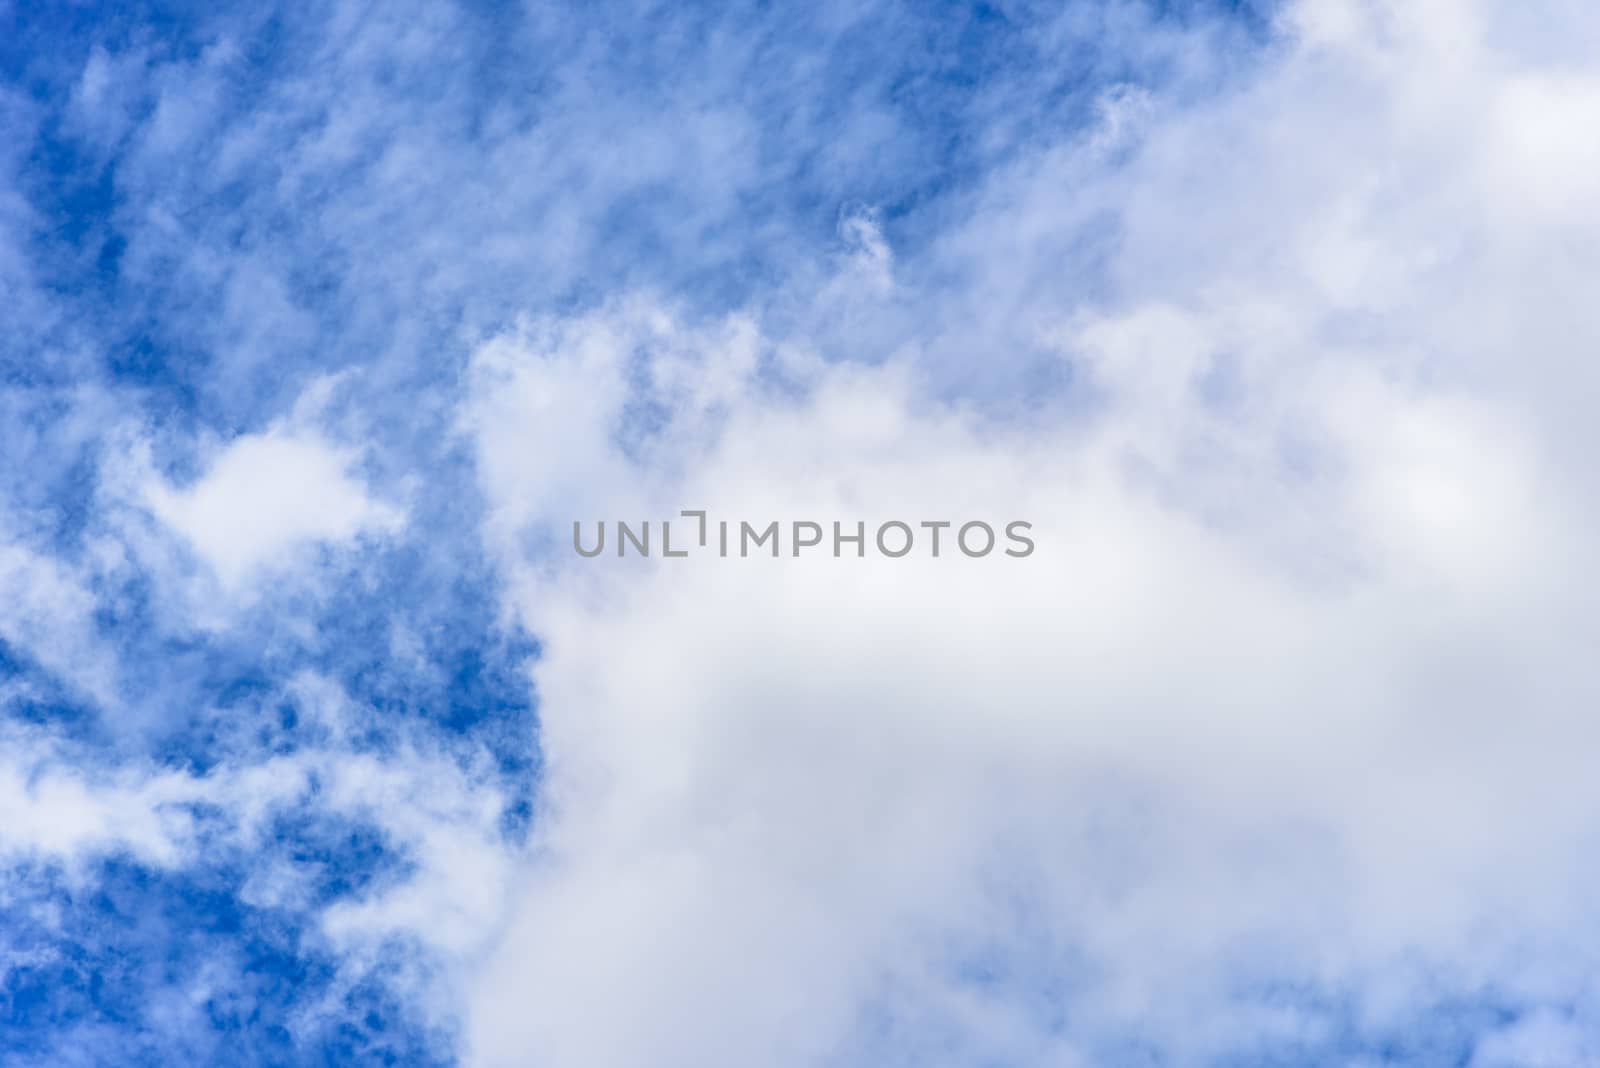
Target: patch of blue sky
{"x":156,"y":968}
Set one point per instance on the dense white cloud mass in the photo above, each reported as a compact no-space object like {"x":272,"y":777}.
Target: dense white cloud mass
{"x":1279,"y":748}
{"x":1297,"y":684}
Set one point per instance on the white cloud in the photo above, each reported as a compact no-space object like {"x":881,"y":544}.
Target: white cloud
{"x":264,"y":497}
{"x":47,"y":611}
{"x":438,"y":813}
{"x":55,"y":812}
{"x":1292,"y":691}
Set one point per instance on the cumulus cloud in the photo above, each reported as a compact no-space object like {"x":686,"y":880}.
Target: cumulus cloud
{"x":265,"y":497}
{"x":1290,"y":697}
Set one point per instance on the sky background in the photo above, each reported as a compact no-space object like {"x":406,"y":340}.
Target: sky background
{"x":321,"y":322}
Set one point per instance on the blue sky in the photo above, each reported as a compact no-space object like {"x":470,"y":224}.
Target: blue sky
{"x":323,"y":322}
